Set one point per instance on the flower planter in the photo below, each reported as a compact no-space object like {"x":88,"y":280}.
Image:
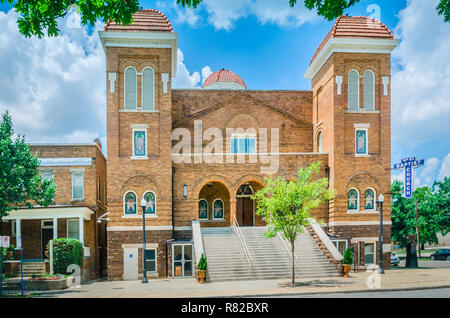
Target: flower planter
{"x":201,"y":276}
{"x":347,"y":268}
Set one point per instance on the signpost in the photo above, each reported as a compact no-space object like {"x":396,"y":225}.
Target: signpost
{"x":4,"y":243}
{"x":409,"y":165}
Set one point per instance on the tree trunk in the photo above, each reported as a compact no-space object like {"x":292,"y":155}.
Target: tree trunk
{"x":293,"y":262}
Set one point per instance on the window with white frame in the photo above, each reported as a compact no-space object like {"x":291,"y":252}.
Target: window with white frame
{"x":73,"y":229}
{"x":203,"y":209}
{"x":148,"y":89}
{"x":139,"y":143}
{"x":369,"y":199}
{"x":369,"y":90}
{"x":369,"y":253}
{"x":243,"y":144}
{"x":361,"y":142}
{"x":150,"y":260}
{"x":353,"y":200}
{"x":130,"y":88}
{"x":77,"y":184}
{"x":130,"y":203}
{"x":218,"y":207}
{"x":341,"y":245}
{"x":353,"y":90}
{"x":150,"y":197}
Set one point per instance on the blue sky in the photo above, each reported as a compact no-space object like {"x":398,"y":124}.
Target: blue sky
{"x":61,"y":80}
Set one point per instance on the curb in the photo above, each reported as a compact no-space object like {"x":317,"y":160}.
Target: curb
{"x":329,"y":292}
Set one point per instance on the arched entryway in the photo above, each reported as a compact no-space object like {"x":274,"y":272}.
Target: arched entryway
{"x":214,"y":205}
{"x":245,"y":206}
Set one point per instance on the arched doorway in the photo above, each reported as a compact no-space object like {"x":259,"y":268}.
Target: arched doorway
{"x":213,"y":205}
{"x":245,"y":206}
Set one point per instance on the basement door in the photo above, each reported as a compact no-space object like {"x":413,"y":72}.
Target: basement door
{"x":182,"y":260}
{"x":130,"y":263}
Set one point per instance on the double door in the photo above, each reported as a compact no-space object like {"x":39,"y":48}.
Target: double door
{"x":245,"y":211}
{"x":182,"y":260}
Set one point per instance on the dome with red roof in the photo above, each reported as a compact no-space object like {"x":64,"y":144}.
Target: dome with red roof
{"x":148,"y":20}
{"x":224,"y":79}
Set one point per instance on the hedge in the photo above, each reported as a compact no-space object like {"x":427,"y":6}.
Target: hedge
{"x":66,"y":252}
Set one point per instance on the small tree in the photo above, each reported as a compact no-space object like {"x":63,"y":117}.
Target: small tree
{"x":348,"y":257}
{"x":286,"y":205}
{"x":66,"y":252}
{"x":202,"y":264}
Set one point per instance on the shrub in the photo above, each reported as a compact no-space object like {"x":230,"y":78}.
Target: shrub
{"x":202,"y":264}
{"x":348,"y":257}
{"x":66,"y":252}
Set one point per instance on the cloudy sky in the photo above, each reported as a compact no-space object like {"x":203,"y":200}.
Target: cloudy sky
{"x":54,"y":88}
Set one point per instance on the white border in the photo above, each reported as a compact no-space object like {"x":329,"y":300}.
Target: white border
{"x":182,"y":253}
{"x":373,"y":90}
{"x":152,"y":215}
{"x":207,"y":210}
{"x":348,"y":90}
{"x":374,"y":200}
{"x":358,"y":205}
{"x":366,"y":154}
{"x":133,"y":156}
{"x":73,"y":171}
{"x":67,"y":228}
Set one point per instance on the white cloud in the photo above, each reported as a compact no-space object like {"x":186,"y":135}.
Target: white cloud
{"x":445,"y":168}
{"x":421,"y":85}
{"x":183,"y":15}
{"x":396,"y":177}
{"x":206,"y":71}
{"x":54,"y":88}
{"x":429,"y":169}
{"x":184,"y":79}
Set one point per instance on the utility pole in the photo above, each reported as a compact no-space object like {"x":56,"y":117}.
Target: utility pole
{"x":417,"y":227}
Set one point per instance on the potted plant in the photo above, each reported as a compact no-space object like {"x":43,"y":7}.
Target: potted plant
{"x":201,"y":267}
{"x":347,"y":262}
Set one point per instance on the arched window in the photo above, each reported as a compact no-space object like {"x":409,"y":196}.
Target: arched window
{"x":218,"y":209}
{"x":150,"y":197}
{"x":148,"y":88}
{"x":353,"y":200}
{"x":130,"y":88}
{"x":130,"y":203}
{"x":369,"y":199}
{"x":203,"y":209}
{"x":353,"y":90}
{"x":369,"y":90}
{"x":319,"y":142}
{"x":244,"y":190}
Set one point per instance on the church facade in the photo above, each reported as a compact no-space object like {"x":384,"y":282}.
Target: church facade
{"x":199,"y":154}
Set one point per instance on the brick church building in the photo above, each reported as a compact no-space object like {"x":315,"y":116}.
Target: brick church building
{"x":343,"y":122}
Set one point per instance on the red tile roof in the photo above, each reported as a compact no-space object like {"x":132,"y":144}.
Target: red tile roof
{"x":356,"y":27}
{"x":223,"y":76}
{"x":148,"y":20}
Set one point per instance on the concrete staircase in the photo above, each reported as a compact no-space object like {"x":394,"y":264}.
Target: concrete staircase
{"x":225,"y":256}
{"x":30,"y":269}
{"x":270,"y":259}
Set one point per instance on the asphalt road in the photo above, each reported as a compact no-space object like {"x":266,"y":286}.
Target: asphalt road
{"x":423,"y":293}
{"x":429,"y":264}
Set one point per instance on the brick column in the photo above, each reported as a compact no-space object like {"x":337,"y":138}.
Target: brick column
{"x":232,"y":209}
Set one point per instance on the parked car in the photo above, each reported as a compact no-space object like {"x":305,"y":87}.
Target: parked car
{"x":395,"y":260}
{"x":442,"y":254}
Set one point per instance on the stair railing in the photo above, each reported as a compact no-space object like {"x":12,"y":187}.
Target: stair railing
{"x":244,"y":245}
{"x":289,"y":252}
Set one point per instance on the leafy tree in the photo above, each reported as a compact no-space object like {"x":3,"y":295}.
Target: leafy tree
{"x":332,"y":9}
{"x":38,"y":15}
{"x":440,"y":203}
{"x":286,"y":205}
{"x":20,"y":182}
{"x":403,"y":215}
{"x":65,"y":252}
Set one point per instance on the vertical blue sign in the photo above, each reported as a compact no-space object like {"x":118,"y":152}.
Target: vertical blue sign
{"x":408,"y":165}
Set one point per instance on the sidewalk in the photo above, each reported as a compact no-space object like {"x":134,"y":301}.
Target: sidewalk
{"x":395,"y":279}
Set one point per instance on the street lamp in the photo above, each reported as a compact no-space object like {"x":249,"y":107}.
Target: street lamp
{"x":144,"y":205}
{"x":380,"y":204}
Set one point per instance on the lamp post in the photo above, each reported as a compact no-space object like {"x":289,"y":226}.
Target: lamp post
{"x":380,"y":204}
{"x":144,"y":204}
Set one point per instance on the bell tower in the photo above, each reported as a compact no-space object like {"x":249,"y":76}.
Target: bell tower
{"x":140,"y":63}
{"x":350,"y":74}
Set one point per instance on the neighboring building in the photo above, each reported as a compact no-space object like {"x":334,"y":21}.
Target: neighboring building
{"x":344,"y":123}
{"x":79,"y":172}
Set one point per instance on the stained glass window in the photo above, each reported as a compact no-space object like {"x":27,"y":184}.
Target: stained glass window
{"x":361,"y":142}
{"x":151,"y":205}
{"x":130,"y":203}
{"x":353,"y":199}
{"x":139,"y":140}
{"x":369,"y":200}
{"x":218,"y":209}
{"x":203,"y":209}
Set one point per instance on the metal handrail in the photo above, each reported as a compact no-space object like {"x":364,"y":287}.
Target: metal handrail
{"x":244,"y":245}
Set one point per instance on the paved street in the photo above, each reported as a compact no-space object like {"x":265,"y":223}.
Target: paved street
{"x":358,"y":283}
{"x":429,"y":264}
{"x":424,"y":293}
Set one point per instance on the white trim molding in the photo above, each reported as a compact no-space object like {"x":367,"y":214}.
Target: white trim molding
{"x":64,"y":162}
{"x":143,"y":40}
{"x":339,"y":79}
{"x":165,"y":80}
{"x":385,"y":80}
{"x":348,"y":45}
{"x":49,"y":213}
{"x":139,"y":228}
{"x":112,"y":76}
